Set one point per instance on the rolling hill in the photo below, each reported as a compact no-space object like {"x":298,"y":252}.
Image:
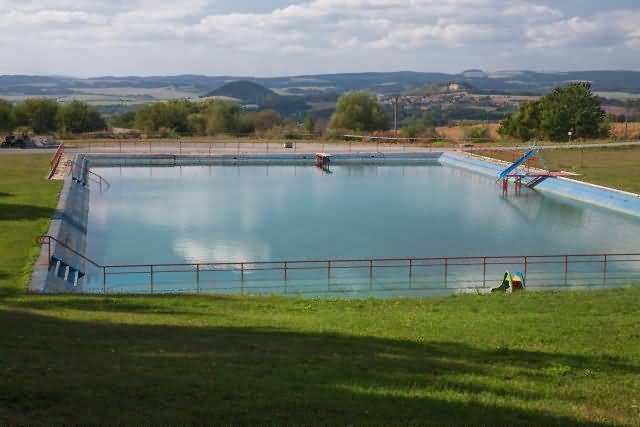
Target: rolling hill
{"x":248,"y":92}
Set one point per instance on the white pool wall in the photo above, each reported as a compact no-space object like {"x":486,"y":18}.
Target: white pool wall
{"x":616,"y":200}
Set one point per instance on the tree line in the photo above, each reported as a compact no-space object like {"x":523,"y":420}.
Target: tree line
{"x":569,"y":112}
{"x":42,"y":116}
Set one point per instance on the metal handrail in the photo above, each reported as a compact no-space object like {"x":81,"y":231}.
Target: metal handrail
{"x":46,"y":240}
{"x":325,"y":262}
{"x":100,"y":178}
{"x":371,"y":264}
{"x":55,"y":160}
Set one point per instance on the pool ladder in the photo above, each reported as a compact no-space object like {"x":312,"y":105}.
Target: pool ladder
{"x":66,"y":272}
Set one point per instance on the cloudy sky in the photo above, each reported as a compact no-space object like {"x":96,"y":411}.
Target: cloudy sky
{"x":285,"y":37}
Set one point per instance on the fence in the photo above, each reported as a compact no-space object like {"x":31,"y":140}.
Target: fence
{"x":55,"y":160}
{"x":372,"y":276}
{"x":208,"y":147}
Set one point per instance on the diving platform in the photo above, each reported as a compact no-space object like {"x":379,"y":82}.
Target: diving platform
{"x":533,"y":179}
{"x":522,"y":174}
{"x":323,"y":160}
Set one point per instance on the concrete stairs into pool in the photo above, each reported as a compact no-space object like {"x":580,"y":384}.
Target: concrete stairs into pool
{"x":64,"y":275}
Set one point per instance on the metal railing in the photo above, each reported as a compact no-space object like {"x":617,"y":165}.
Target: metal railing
{"x":210,"y":147}
{"x":88,"y":174}
{"x":458,"y":274}
{"x":55,"y":160}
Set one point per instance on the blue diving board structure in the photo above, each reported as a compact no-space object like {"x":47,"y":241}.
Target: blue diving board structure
{"x":528,"y":178}
{"x":515,"y":165}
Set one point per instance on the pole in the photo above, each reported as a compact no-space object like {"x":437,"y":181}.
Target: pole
{"x":151,"y":277}
{"x":395,"y":115}
{"x":198,"y":278}
{"x":446,"y":271}
{"x":626,"y":121}
{"x":484,"y":272}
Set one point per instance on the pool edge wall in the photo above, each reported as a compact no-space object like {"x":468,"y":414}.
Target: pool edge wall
{"x":69,"y":225}
{"x":70,"y":222}
{"x":604,"y":197}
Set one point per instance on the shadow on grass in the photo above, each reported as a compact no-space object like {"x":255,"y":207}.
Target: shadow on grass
{"x":59,"y":370}
{"x":11,"y":212}
{"x":5,"y":194}
{"x":160,"y":304}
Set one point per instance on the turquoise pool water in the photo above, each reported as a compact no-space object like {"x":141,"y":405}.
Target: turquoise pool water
{"x":204,"y":214}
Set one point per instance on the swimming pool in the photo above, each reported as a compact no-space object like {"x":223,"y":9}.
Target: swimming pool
{"x":277,"y":213}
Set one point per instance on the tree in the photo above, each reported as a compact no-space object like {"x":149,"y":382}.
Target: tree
{"x":222,"y":117}
{"x":79,"y":117}
{"x":421,"y":126}
{"x":7,"y":116}
{"x":169,"y":115}
{"x":573,"y":108}
{"x":124,"y":120}
{"x":267,"y":119}
{"x":358,"y":111}
{"x":309,"y":124}
{"x":39,"y":114}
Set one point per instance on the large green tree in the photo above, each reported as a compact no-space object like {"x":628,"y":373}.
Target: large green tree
{"x":7,"y":116}
{"x":222,"y":117}
{"x":79,"y":117}
{"x":573,"y":108}
{"x":359,"y":111}
{"x":39,"y":114}
{"x":173,"y":115}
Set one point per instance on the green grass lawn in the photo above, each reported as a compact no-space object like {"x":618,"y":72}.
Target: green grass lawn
{"x":529,"y":359}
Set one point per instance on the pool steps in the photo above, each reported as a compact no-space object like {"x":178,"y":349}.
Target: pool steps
{"x":66,"y":272}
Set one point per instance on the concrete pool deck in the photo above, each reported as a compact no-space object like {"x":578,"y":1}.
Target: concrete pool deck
{"x":69,"y":225}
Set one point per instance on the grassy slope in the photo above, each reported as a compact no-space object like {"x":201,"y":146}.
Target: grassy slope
{"x":522,"y":359}
{"x":27,"y":201}
{"x":613,"y":167}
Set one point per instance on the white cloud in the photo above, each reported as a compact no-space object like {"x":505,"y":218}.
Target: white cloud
{"x":373,"y":30}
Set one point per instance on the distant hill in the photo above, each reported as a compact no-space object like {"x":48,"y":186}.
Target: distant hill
{"x":249,"y":92}
{"x":245,"y":91}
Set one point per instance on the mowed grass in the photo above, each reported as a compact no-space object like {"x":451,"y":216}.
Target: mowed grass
{"x":27,"y":202}
{"x":617,"y":167}
{"x":522,"y":359}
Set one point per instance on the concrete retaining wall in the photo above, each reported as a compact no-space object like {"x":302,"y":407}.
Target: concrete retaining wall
{"x":619,"y":201}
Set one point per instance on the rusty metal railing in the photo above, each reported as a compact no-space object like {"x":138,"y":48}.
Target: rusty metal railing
{"x":440,"y":273}
{"x":55,"y":160}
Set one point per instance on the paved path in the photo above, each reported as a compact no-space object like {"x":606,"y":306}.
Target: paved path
{"x":204,"y":148}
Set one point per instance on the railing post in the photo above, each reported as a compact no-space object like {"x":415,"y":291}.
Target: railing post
{"x":370,"y":269}
{"x":328,"y":269}
{"x":526,"y":266}
{"x":410,"y":268}
{"x":104,"y":280}
{"x":285,"y":271}
{"x":446,"y":271}
{"x":484,"y":272}
{"x":566,"y":269}
{"x":48,"y":251}
{"x":197,"y":278}
{"x":604,"y":271}
{"x":242,"y":278}
{"x":151,"y":278}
